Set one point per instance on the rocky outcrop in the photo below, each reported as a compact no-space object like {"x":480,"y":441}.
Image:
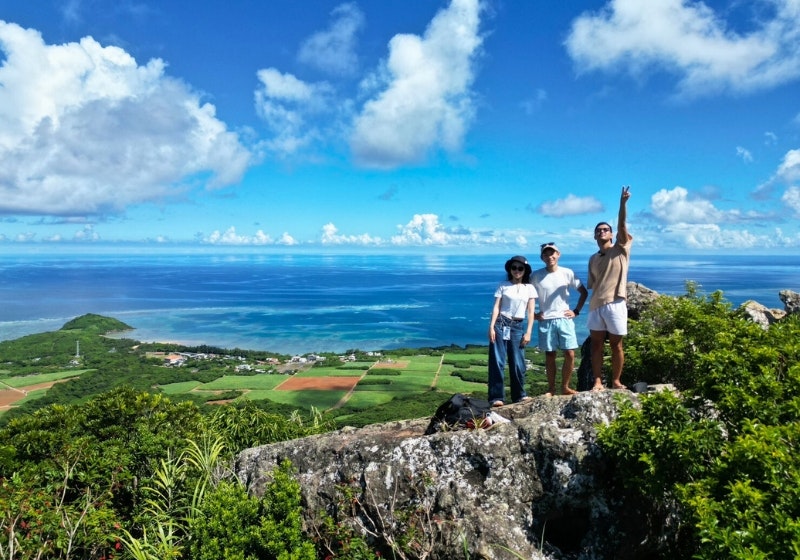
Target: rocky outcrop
{"x":761,"y":314}
{"x":791,"y":301}
{"x":639,"y":297}
{"x":535,"y":487}
{"x":765,"y":316}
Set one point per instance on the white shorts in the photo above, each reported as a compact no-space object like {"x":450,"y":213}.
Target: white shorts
{"x":611,"y":317}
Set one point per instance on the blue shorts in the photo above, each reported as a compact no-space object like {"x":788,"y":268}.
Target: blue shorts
{"x":557,"y":334}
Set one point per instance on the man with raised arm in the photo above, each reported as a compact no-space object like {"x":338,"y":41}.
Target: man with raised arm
{"x":608,"y":307}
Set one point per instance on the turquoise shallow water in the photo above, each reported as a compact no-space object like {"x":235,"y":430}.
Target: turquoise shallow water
{"x":302,"y":303}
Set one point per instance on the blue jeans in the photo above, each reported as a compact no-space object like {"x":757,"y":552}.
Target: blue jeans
{"x":502,"y":351}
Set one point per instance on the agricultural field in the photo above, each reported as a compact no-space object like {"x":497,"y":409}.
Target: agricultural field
{"x":42,"y":369}
{"x":361,"y":383}
{"x":19,"y":389}
{"x":355,"y":385}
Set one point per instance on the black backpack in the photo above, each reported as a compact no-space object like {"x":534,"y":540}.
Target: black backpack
{"x":585,"y":375}
{"x":458,"y":412}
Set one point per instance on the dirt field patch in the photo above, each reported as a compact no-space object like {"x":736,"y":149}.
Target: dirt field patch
{"x":9,"y":397}
{"x":318,"y":384}
{"x":400,"y":364}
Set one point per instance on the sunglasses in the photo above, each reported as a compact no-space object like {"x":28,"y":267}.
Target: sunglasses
{"x":517,"y":268}
{"x":602,"y":230}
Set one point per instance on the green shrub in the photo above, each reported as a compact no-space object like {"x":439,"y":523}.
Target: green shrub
{"x":661,"y":444}
{"x":663,"y":346}
{"x":726,"y":454}
{"x":482,"y":361}
{"x":474,"y":376}
{"x":416,"y":405}
{"x":384,"y":371}
{"x":244,"y":424}
{"x":750,"y":506}
{"x":72,"y":473}
{"x":367,"y":381}
{"x":338,"y":540}
{"x":233,"y":525}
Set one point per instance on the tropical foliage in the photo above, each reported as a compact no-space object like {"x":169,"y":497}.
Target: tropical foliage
{"x":724,"y":454}
{"x":106,"y":467}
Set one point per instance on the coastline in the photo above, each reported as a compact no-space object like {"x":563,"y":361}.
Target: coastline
{"x":302,"y":303}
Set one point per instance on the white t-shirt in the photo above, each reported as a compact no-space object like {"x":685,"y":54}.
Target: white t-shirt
{"x":514,"y":299}
{"x":553,"y":289}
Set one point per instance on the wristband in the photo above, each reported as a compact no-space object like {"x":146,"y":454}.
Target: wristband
{"x":576,"y":312}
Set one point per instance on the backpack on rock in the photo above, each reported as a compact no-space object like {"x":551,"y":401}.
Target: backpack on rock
{"x":459,"y":412}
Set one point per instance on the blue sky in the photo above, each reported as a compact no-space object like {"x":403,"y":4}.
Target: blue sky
{"x":387,"y":124}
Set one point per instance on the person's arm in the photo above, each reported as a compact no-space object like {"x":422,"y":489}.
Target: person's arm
{"x":540,"y":315}
{"x":622,"y":229}
{"x":526,"y":338}
{"x":584,"y":293}
{"x":493,"y":320}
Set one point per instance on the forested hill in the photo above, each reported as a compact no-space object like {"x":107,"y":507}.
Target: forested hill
{"x":96,"y":323}
{"x":41,"y":351}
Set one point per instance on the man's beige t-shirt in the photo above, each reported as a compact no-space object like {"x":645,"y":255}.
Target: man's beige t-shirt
{"x":608,"y":274}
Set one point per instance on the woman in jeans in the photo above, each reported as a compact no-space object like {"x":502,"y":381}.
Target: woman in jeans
{"x":514,"y":301}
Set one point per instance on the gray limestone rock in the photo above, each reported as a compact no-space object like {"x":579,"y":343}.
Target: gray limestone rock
{"x":639,"y":297}
{"x":536,"y":485}
{"x":761,"y":314}
{"x":791,"y":301}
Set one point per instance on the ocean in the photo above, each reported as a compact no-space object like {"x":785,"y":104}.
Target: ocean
{"x":301,"y":303}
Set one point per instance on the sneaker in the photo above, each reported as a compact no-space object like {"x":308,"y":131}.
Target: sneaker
{"x":526,"y":399}
{"x":497,"y":404}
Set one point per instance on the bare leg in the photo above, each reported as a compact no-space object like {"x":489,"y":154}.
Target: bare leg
{"x":550,"y":369}
{"x":598,"y":346}
{"x":617,"y":360}
{"x":566,"y":372}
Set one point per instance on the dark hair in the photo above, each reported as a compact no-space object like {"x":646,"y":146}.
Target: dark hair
{"x":604,"y":224}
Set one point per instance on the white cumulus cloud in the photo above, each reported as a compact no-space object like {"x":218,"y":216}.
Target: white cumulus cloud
{"x":789,"y":169}
{"x":675,"y":207}
{"x":286,"y":104}
{"x":693,"y":41}
{"x":425,"y":101}
{"x":231,"y":237}
{"x":791,"y":198}
{"x":331,"y":236}
{"x":333,"y":50}
{"x":86,"y":130}
{"x":287,"y":239}
{"x":427,"y":230}
{"x":570,"y":206}
{"x":788,"y":173}
{"x":423,"y":229}
{"x":87,"y":233}
{"x":711,"y":236}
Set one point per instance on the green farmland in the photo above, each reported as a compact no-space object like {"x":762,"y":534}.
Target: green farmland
{"x":40,"y":370}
